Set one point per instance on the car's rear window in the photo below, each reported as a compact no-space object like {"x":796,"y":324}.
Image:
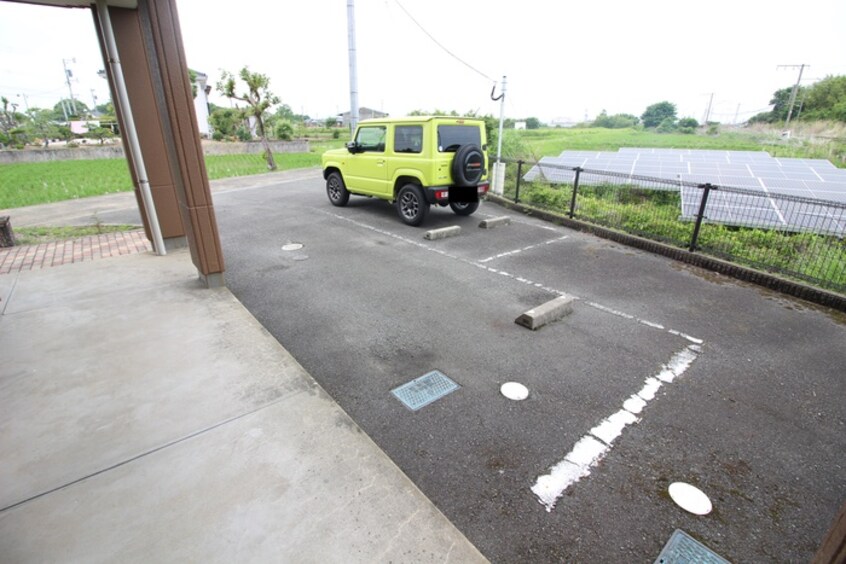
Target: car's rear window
{"x":451,"y":137}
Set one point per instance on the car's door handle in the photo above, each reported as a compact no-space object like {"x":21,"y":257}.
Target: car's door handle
{"x":380,"y":162}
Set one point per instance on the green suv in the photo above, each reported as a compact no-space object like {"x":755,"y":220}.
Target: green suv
{"x":413,"y":162}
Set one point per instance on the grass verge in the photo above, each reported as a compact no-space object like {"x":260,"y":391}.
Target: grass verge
{"x":654,"y":214}
{"x":38,"y":235}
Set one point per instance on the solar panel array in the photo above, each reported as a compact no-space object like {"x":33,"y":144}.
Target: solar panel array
{"x":748,"y":170}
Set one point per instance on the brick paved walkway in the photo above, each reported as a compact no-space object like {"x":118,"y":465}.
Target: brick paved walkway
{"x":33,"y":257}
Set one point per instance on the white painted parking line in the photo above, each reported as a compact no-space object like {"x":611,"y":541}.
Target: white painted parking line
{"x":529,"y":223}
{"x":515,"y":277}
{"x":515,"y":251}
{"x":597,"y":443}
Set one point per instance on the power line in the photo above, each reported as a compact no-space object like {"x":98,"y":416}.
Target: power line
{"x":439,"y":44}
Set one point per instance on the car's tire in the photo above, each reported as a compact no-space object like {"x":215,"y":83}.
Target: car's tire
{"x":468,"y":165}
{"x":412,"y":206}
{"x":466,"y":208}
{"x":336,"y":190}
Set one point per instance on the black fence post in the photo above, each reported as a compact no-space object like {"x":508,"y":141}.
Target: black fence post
{"x":695,"y":237}
{"x":517,"y":189}
{"x":575,"y":190}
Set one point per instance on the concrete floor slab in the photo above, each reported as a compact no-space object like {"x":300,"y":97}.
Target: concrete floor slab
{"x":145,"y":418}
{"x":296,"y":481}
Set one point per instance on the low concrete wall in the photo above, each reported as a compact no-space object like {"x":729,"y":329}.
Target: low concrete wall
{"x":116,"y":151}
{"x":61,"y":154}
{"x":253,"y":147}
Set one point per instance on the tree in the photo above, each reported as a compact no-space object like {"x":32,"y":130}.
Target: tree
{"x":781,"y":103}
{"x":617,"y":121}
{"x":667,"y":125}
{"x":284,"y":112}
{"x":192,"y":79}
{"x":8,"y":120}
{"x":225,"y":122}
{"x":107,"y":109}
{"x":331,"y":121}
{"x":42,"y":124}
{"x":99,"y":133}
{"x":533,"y":123}
{"x":826,"y":100}
{"x":75,"y":109}
{"x":657,"y":113}
{"x":258,"y":98}
{"x":284,"y":130}
{"x":688,"y":122}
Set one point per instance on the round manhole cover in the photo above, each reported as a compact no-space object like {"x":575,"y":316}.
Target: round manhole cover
{"x":292,"y":247}
{"x":690,"y":498}
{"x":514,"y":391}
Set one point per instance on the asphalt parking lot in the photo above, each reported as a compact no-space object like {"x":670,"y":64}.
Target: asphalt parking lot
{"x":754,"y":414}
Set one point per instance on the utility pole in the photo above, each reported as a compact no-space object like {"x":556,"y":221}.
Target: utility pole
{"x":353,"y":66}
{"x":794,"y":91}
{"x":68,"y":75}
{"x":497,"y":187}
{"x":94,"y":98}
{"x":501,"y":120}
{"x":26,"y":102}
{"x":736,"y":114}
{"x":708,"y":111}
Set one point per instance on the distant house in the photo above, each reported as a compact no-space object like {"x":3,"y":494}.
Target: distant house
{"x":363,"y":113}
{"x":201,"y":103}
{"x":563,"y":122}
{"x":81,"y":127}
{"x":519,"y":125}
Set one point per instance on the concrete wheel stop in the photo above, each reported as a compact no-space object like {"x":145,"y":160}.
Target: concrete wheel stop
{"x":546,"y":313}
{"x":492,"y":222}
{"x":442,"y":233}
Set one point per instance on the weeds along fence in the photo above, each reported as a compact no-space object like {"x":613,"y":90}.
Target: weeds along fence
{"x":800,"y":238}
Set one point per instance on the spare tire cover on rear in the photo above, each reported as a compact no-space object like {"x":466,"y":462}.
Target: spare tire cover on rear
{"x":468,"y":164}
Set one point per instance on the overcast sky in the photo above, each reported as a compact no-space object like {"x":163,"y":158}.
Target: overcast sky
{"x":563,"y":59}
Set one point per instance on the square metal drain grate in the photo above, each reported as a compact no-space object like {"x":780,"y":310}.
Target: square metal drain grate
{"x":424,"y":390}
{"x":682,"y":548}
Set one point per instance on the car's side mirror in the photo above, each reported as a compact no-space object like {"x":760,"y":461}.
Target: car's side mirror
{"x":352,"y":147}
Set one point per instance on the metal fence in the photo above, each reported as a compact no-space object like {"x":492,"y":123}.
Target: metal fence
{"x":801,"y":238}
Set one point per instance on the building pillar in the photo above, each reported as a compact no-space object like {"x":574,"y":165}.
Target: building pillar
{"x":150,"y":47}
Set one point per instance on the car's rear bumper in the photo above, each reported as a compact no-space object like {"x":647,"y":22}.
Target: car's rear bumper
{"x":440,"y":194}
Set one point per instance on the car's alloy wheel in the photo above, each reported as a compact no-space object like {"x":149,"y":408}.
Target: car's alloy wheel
{"x":411,"y":204}
{"x":335,"y":189}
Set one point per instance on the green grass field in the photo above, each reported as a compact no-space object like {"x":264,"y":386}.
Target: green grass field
{"x":549,"y":142}
{"x":533,"y":144}
{"x":26,"y":184}
{"x":36,"y":183}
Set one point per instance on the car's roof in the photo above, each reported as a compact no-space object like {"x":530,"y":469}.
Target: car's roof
{"x":418,"y":119}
